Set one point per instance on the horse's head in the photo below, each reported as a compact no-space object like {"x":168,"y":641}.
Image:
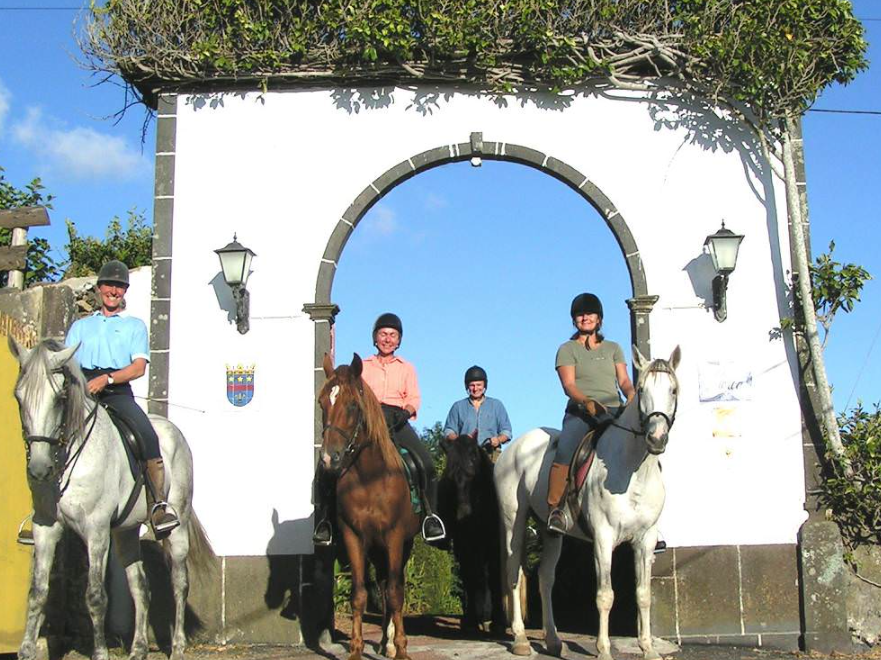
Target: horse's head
{"x":464,"y":461}
{"x":342,"y":414}
{"x":657,"y":393}
{"x":42,"y":392}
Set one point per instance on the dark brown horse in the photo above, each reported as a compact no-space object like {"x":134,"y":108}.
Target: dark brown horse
{"x":374,"y":512}
{"x":467,"y":502}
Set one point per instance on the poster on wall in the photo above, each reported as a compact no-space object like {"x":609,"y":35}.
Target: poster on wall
{"x":725,"y":381}
{"x":239,"y":385}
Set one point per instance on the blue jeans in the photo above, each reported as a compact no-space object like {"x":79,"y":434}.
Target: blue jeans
{"x":575,"y":427}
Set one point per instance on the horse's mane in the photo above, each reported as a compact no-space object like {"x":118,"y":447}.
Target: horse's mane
{"x":657,"y":366}
{"x":34,"y":381}
{"x":374,"y":421}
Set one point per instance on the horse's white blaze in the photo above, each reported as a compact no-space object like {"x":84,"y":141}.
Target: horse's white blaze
{"x":334,"y":393}
{"x":622,"y":501}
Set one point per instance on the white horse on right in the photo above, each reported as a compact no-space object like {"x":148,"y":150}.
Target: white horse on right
{"x":621,"y":500}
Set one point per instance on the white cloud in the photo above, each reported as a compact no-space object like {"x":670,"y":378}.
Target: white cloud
{"x":381,"y":221}
{"x":435,"y":202}
{"x":5,"y":96}
{"x":79,"y":152}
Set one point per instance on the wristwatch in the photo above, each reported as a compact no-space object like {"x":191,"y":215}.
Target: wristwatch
{"x":110,"y":379}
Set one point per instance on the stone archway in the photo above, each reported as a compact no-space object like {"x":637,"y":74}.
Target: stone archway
{"x":323,"y":311}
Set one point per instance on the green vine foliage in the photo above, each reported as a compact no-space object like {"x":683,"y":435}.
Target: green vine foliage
{"x":40,"y":265}
{"x":774,"y":56}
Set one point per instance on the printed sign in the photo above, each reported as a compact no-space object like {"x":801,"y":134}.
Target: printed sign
{"x":239,"y":385}
{"x":725,"y":381}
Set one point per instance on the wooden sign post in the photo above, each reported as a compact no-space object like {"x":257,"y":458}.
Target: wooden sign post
{"x":14,"y":257}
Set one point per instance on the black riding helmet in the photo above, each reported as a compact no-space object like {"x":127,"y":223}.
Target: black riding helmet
{"x":475,"y":373}
{"x":113,"y":272}
{"x":388,"y":320}
{"x":586,"y":303}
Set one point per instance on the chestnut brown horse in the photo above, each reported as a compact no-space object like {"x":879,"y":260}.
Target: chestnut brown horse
{"x":373,"y":509}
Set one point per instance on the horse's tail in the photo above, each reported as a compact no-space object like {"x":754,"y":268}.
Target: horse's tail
{"x":201,"y":560}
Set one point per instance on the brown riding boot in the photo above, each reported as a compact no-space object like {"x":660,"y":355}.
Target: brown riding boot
{"x":162,"y":520}
{"x":558,"y":518}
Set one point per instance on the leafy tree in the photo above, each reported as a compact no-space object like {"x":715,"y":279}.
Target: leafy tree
{"x":40,"y":266}
{"x":133,"y":245}
{"x":835,"y":287}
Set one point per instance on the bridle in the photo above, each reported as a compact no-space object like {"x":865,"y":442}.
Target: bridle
{"x":352,"y":449}
{"x":657,"y":366}
{"x":61,"y":459}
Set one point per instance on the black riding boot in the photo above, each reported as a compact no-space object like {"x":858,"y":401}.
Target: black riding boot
{"x":324,"y":504}
{"x":432,"y":526}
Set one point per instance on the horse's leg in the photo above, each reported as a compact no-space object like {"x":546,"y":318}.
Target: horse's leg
{"x":602,"y":556}
{"x":550,"y":555}
{"x":179,"y":549}
{"x":380,"y":563}
{"x":358,"y":560}
{"x":45,"y":541}
{"x":98,"y":544}
{"x":514,"y":529}
{"x":643,"y":553}
{"x":395,"y":590}
{"x":127,"y":547}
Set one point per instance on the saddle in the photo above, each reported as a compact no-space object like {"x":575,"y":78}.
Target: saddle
{"x":134,"y":451}
{"x":412,"y":470}
{"x":581,"y":463}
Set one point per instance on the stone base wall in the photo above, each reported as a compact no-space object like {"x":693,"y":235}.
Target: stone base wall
{"x":732,"y":595}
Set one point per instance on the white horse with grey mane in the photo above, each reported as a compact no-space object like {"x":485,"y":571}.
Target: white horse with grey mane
{"x":79,"y":475}
{"x":621,"y":500}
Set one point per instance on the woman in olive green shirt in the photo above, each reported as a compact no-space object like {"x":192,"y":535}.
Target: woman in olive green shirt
{"x":592,"y":372}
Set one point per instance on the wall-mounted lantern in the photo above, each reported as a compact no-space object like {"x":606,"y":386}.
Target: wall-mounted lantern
{"x":723,"y":247}
{"x":235,"y":261}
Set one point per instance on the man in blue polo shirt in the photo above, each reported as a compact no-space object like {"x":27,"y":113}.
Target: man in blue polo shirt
{"x":113,"y":351}
{"x":481,"y":413}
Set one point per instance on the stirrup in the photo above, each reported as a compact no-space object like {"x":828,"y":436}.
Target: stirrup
{"x":435,"y":537}
{"x":164,"y":528}
{"x":25,"y":536}
{"x":660,"y":547}
{"x":321,"y":539}
{"x":558,"y":521}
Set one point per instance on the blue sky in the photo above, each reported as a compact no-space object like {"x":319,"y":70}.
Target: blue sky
{"x":472,"y":251}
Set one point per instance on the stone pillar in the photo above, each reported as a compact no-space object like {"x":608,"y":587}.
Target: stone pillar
{"x":640,"y":308}
{"x":824,"y":585}
{"x":318,"y":591}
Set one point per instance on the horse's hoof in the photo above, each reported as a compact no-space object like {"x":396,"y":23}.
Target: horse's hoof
{"x":521,"y":647}
{"x":555,"y":648}
{"x":101,"y":654}
{"x":356,"y":655}
{"x":27,"y":652}
{"x":176,"y":654}
{"x":651,"y":654}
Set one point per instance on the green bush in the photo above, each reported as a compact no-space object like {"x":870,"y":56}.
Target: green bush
{"x":855,"y":503}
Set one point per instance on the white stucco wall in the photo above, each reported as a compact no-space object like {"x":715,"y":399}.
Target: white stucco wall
{"x":282,"y":167}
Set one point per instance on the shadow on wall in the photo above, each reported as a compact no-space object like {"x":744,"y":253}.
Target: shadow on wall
{"x":223,"y":293}
{"x":701,"y":273}
{"x":300,"y":587}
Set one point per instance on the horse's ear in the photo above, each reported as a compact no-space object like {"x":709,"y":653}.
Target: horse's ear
{"x":675,"y":356}
{"x":328,"y":365}
{"x":18,"y":351}
{"x":357,"y":366}
{"x":638,"y":360}
{"x":59,"y":359}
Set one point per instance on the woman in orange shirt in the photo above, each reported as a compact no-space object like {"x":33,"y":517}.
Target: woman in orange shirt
{"x":393,"y":380}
